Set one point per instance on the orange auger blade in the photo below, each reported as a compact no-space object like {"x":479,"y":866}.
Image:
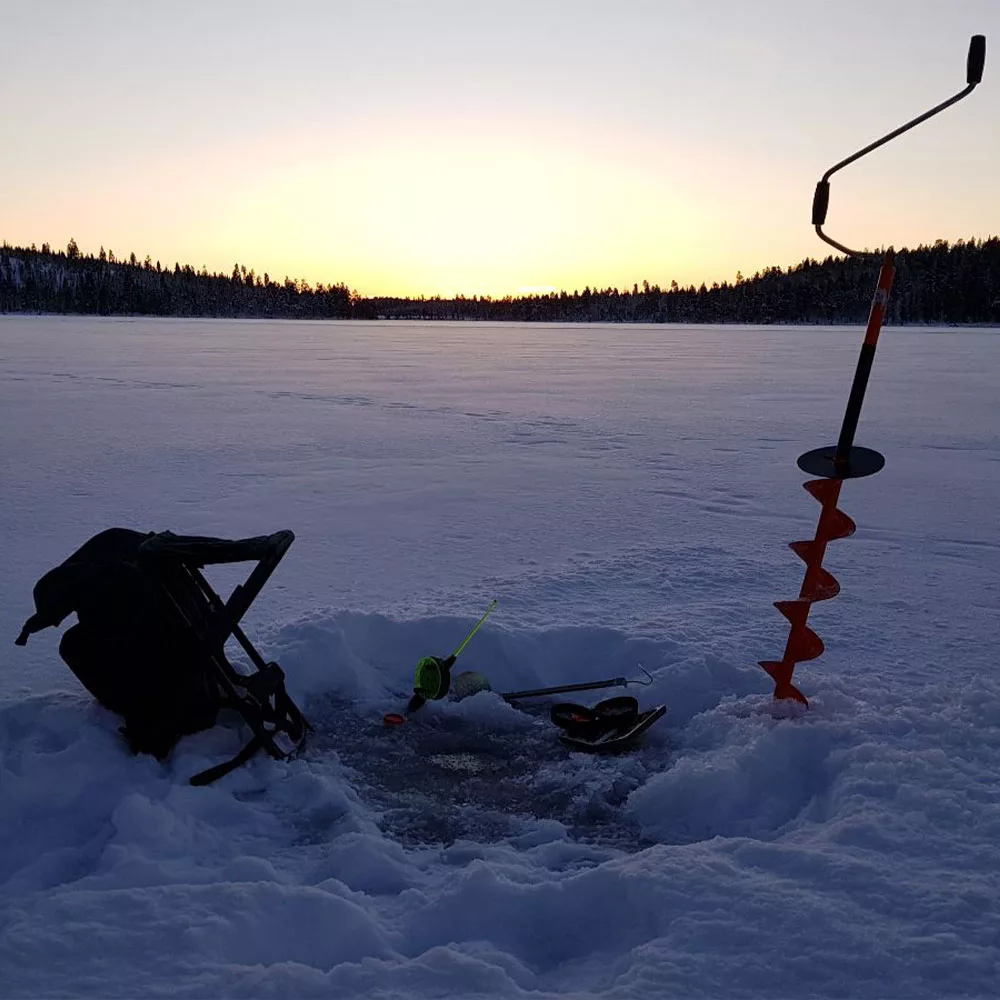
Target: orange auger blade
{"x":781,"y":674}
{"x":833,"y":523}
{"x":818,"y":585}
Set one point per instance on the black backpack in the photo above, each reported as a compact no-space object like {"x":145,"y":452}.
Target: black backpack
{"x":150,"y":637}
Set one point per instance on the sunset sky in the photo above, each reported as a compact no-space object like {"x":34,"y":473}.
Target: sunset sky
{"x":459,"y":146}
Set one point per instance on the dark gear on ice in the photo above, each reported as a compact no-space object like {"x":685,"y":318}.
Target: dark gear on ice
{"x":149,"y":643}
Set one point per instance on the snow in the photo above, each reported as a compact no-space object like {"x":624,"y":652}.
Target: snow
{"x":627,"y":493}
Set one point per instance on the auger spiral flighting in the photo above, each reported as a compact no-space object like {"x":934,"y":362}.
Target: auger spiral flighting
{"x":818,"y":585}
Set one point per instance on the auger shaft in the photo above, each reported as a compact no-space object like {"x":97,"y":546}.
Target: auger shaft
{"x":845,"y":461}
{"x":842,"y":458}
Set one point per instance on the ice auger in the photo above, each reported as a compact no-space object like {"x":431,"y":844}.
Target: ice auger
{"x":846,"y":460}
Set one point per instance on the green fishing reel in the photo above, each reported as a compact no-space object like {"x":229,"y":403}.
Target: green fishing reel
{"x":432,"y":677}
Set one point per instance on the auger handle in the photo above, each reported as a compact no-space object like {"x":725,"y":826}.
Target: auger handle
{"x":821,"y":202}
{"x":975,"y":62}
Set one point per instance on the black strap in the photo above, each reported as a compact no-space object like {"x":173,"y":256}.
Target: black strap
{"x":206,"y":777}
{"x":34,"y":624}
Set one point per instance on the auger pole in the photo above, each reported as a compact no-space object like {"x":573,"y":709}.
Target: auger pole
{"x":845,"y":461}
{"x":834,"y":464}
{"x":842,"y":457}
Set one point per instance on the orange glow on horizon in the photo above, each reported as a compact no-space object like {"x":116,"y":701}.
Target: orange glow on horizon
{"x":459,"y":211}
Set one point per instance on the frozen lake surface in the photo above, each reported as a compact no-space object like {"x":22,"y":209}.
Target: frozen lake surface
{"x":627,"y":493}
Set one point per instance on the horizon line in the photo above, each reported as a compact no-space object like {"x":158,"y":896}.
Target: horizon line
{"x":535,"y":291}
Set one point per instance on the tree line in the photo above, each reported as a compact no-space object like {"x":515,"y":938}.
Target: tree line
{"x":943,"y":283}
{"x":47,"y":281}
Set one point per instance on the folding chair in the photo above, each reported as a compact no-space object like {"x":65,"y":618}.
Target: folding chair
{"x":176,"y":562}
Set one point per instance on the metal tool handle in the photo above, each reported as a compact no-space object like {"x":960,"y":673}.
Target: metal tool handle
{"x":564,"y":689}
{"x":821,"y":198}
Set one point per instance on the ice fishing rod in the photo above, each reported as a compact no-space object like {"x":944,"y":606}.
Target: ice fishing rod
{"x":432,"y":678}
{"x":845,"y":460}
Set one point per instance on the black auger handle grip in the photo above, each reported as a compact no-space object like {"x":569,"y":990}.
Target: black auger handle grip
{"x":821,"y":202}
{"x":977,"y":59}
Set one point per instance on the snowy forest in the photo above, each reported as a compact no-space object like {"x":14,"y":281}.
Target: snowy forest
{"x":943,"y":283}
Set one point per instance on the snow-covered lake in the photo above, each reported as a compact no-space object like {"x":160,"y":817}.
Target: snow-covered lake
{"x":627,"y":493}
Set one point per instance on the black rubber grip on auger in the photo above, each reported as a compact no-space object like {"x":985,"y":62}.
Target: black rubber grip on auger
{"x":977,"y":59}
{"x":821,"y":202}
